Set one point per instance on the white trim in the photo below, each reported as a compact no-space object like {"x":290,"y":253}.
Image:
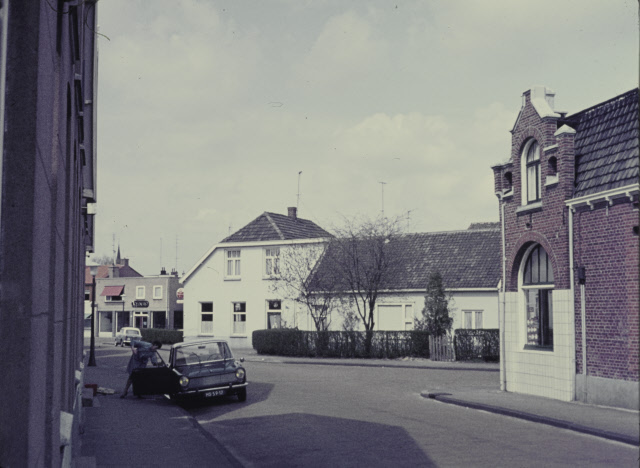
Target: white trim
{"x":628,"y":191}
{"x":225,"y":245}
{"x":564,"y":129}
{"x":550,"y":148}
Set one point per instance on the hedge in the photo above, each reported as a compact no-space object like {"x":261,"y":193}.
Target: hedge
{"x":162,"y":335}
{"x":481,"y":344}
{"x":344,"y":344}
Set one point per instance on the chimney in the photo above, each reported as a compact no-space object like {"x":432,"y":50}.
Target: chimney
{"x":126,"y":262}
{"x":163,"y":271}
{"x":293,"y":212}
{"x":114,"y":271}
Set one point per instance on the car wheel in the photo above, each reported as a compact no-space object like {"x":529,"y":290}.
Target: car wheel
{"x":242,"y":394}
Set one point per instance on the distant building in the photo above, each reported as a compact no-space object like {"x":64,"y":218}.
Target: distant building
{"x":125,"y":298}
{"x":227,"y":293}
{"x":48,"y":97}
{"x":569,"y":211}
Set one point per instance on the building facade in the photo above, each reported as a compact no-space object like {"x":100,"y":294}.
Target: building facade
{"x":229,"y":292}
{"x":137,"y":301}
{"x":48,"y":120}
{"x":569,"y":213}
{"x":467,"y":260}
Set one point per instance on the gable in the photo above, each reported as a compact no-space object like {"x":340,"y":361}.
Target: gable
{"x":273,"y":226}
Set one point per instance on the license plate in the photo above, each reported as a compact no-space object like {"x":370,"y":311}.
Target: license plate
{"x":214,"y":393}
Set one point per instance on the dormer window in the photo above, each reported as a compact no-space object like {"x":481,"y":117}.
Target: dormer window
{"x":531,"y":173}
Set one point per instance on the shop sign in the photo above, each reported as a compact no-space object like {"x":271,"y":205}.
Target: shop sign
{"x":140,"y":303}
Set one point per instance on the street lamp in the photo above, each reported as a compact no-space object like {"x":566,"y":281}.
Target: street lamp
{"x":93,"y":269}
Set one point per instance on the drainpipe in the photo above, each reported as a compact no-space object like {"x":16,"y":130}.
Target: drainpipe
{"x":573,"y":304}
{"x":583,"y":323}
{"x":502,"y":302}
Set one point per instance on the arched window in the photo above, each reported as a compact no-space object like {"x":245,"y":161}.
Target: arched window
{"x":537,"y":286}
{"x":531,"y":172}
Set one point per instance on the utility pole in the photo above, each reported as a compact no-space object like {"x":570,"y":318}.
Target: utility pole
{"x":298,"y":198}
{"x":382,"y":184}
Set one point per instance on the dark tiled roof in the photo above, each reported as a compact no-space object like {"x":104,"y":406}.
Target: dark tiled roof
{"x":125,"y":271}
{"x":273,"y":226}
{"x":465,"y":259}
{"x":495,"y":225}
{"x":606,"y":145}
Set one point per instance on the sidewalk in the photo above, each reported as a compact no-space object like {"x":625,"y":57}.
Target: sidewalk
{"x":151,"y":431}
{"x":608,"y":423}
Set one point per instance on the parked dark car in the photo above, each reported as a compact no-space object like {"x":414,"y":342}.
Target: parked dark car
{"x":199,"y":369}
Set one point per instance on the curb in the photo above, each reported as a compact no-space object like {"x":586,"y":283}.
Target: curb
{"x":370,"y":364}
{"x":447,"y":398}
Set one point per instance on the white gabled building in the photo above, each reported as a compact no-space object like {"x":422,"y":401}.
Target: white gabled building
{"x":228,"y":293}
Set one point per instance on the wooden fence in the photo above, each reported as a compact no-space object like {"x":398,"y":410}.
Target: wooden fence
{"x":441,"y":348}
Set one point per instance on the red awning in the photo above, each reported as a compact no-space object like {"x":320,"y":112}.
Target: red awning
{"x":112,"y":291}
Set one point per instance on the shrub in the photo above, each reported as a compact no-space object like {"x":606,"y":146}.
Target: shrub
{"x":162,"y":335}
{"x":345,"y":344}
{"x":477,"y":344}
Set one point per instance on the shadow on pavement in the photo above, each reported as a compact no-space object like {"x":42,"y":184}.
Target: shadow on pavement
{"x":300,"y":439}
{"x":256,"y":392}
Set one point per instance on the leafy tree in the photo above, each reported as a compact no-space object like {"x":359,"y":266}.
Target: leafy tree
{"x":436,"y":314}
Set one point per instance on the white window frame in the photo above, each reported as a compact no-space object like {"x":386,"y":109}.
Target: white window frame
{"x":273,"y":311}
{"x":473,"y":313}
{"x":522,"y":289}
{"x":524,"y":173}
{"x":140,"y":292}
{"x":208,"y":314}
{"x":236,"y":313}
{"x":232,"y":263}
{"x":113,"y":298}
{"x":271,"y":262}
{"x":157,"y":295}
{"x":409,"y":321}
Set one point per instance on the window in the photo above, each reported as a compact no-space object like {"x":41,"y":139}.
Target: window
{"x":468,"y":317}
{"x":206,"y":318}
{"x":140,"y":292}
{"x":408,"y":317}
{"x":272,"y":261}
{"x":113,"y":299}
{"x":531,"y":172}
{"x":87,"y":294}
{"x":157,"y":292}
{"x":233,"y":264}
{"x":472,"y":319}
{"x":239,"y":318}
{"x":537,"y":287}
{"x":274,"y":314}
{"x":478,"y":319}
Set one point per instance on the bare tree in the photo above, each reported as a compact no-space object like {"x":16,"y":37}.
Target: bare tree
{"x":362,"y":256}
{"x":103,"y":260}
{"x":295,"y":280}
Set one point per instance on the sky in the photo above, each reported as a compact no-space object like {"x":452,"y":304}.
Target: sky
{"x":213,"y":112}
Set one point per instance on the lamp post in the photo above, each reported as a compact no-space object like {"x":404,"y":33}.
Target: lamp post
{"x":93,"y":269}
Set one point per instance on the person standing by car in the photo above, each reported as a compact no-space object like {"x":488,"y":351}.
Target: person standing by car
{"x":141,"y":353}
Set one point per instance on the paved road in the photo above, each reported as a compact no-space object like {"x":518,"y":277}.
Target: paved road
{"x":309,"y":415}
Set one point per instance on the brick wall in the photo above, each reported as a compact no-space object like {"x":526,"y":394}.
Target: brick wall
{"x":606,"y":246}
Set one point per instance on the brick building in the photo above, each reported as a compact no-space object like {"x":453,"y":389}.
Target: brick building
{"x":47,"y":173}
{"x":568,"y":200}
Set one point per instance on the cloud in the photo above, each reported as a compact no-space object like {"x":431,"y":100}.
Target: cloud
{"x":345,"y":49}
